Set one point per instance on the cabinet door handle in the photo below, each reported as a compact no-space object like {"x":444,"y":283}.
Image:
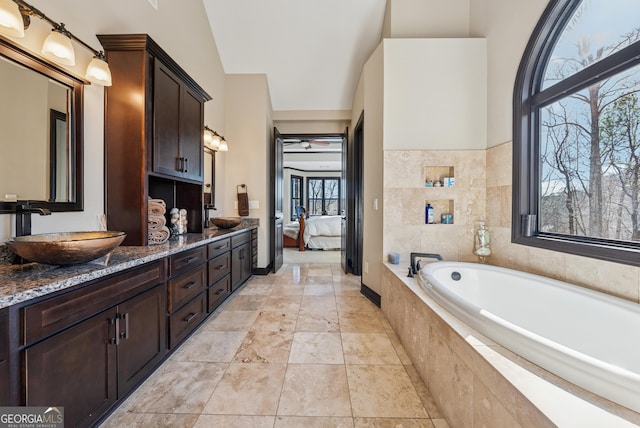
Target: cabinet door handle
{"x":189,"y":284}
{"x":125,"y":333}
{"x":219,"y":292}
{"x":186,"y":165}
{"x":116,"y":322}
{"x":191,"y":316}
{"x":178,"y":164}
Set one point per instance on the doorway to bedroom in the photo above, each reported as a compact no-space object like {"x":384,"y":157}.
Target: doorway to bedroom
{"x":313,"y":197}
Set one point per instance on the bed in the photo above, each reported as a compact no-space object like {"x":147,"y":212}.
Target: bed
{"x":315,"y":233}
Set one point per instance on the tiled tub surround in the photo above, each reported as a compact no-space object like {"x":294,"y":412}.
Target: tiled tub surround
{"x":476,"y":382}
{"x":24,"y":282}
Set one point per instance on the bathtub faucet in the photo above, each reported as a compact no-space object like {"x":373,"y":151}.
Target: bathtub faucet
{"x":415,"y":266}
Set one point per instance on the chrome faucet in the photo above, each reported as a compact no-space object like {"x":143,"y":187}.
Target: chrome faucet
{"x":23,"y":217}
{"x":415,"y":266}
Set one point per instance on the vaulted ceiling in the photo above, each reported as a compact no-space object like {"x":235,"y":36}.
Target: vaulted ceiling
{"x":312,"y":51}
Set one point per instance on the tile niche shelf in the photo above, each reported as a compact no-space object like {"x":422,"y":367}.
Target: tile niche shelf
{"x":440,"y":197}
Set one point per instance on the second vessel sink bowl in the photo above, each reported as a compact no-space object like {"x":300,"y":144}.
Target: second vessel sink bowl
{"x":66,"y":248}
{"x":226,"y":222}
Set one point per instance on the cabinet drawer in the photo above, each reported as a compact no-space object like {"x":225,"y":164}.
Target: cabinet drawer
{"x":219,"y":267}
{"x":52,"y":315}
{"x":240,"y":239}
{"x":219,"y":247}
{"x":183,"y":287}
{"x":186,"y":319}
{"x":218,"y":292}
{"x":186,"y":260}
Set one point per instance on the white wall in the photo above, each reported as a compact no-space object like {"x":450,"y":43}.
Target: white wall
{"x":180,"y":28}
{"x":435,"y":94}
{"x":248,"y":161}
{"x":426,"y":18}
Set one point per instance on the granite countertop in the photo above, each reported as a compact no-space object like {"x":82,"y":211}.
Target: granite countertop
{"x":20,"y":283}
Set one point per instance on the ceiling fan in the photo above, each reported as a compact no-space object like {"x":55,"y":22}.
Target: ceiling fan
{"x":308,"y":143}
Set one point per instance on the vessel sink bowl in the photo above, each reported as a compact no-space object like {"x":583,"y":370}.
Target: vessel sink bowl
{"x":66,"y":248}
{"x":226,"y":222}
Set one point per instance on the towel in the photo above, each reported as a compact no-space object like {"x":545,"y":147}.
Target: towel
{"x":156,"y":222}
{"x":159,"y":236}
{"x":156,"y":208}
{"x":243,"y":204}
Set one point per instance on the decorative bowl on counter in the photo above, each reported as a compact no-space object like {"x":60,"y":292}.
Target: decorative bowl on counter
{"x":226,"y":222}
{"x":65,"y":248}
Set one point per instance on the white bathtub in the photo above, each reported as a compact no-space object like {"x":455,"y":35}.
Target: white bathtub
{"x":588,"y":338}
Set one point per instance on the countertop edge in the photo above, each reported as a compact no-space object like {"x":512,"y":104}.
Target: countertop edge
{"x":96,"y":270}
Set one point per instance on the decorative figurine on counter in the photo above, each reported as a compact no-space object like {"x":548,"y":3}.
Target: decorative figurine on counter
{"x":482,"y":239}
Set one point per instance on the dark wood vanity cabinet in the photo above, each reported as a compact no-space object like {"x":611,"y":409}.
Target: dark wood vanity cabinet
{"x":4,"y":357}
{"x":241,"y":259}
{"x":87,"y":348}
{"x":153,"y":140}
{"x":219,"y":273}
{"x":177,"y":125}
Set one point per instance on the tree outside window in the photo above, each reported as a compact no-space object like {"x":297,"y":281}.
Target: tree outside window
{"x":323,"y":196}
{"x":296,"y":194}
{"x":577,"y":130}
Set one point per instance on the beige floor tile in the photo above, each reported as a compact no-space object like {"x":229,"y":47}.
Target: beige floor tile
{"x":320,"y":270}
{"x":316,"y":348}
{"x":142,"y":420}
{"x":312,"y":422}
{"x":359,"y":322}
{"x":179,"y":387}
{"x":423,"y":392}
{"x":355,"y":304}
{"x":383,"y":391}
{"x":287,"y":290}
{"x":282,"y":303}
{"x":346,"y":290}
{"x":233,"y":421}
{"x":232,"y":321}
{"x":440,"y":423}
{"x":368,"y":348}
{"x":247,"y":389}
{"x":319,"y":290}
{"x":245,"y":303}
{"x":318,"y":304}
{"x":320,"y":322}
{"x":402,"y":353}
{"x":392,"y":423}
{"x":256,"y":288}
{"x":275,"y":321}
{"x":265,"y":347}
{"x":318,"y":280}
{"x":210,"y":346}
{"x":315,"y":390}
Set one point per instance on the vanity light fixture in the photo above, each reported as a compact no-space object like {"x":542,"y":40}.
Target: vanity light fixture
{"x":57,"y":46}
{"x":214,"y":140}
{"x":11,"y":19}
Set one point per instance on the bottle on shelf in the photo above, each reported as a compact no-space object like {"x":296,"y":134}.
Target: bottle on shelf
{"x":428,"y":214}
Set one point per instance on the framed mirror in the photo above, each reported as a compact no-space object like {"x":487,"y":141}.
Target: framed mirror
{"x":42,"y":133}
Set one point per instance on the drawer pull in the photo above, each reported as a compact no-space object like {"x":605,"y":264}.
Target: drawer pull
{"x":189,"y":284}
{"x":125,"y":333}
{"x":220,"y":266}
{"x":191,"y":316}
{"x":189,"y":259}
{"x":219,"y":292}
{"x":220,"y":247}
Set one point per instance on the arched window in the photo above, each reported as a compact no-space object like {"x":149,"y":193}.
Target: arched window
{"x":576,"y":142}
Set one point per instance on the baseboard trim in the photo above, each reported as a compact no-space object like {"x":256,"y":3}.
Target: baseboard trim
{"x":262,"y":271}
{"x":370,"y":294}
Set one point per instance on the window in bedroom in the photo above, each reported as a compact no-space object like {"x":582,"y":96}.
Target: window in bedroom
{"x":576,"y":140}
{"x":296,"y":194}
{"x":323,"y":196}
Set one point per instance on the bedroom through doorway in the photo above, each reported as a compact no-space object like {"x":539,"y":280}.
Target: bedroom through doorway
{"x":313,"y":197}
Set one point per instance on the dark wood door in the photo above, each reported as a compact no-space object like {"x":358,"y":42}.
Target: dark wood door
{"x":343,"y":201}
{"x":143,"y":337}
{"x":277,"y":228}
{"x":191,"y":145}
{"x":167,"y":91}
{"x":75,"y":369}
{"x":355,"y":156}
{"x":240,"y":265}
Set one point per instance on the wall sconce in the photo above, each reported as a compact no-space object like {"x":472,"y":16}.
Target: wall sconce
{"x":215,"y":141}
{"x":15,"y":18}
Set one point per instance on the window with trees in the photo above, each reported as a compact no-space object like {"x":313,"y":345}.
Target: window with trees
{"x":296,"y":194}
{"x":323,"y":196}
{"x":577,"y":131}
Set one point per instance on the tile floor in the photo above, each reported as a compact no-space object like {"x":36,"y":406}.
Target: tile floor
{"x":301,"y":348}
